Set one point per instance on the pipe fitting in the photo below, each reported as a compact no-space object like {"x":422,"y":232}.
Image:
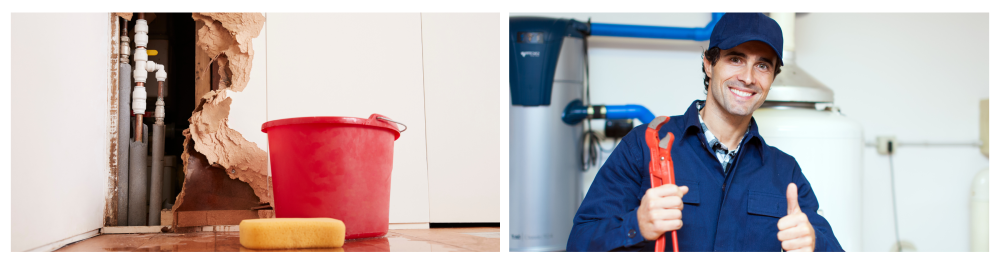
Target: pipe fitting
{"x":140,"y":55}
{"x":141,"y":31}
{"x":150,"y":66}
{"x":124,"y":49}
{"x":158,"y":112}
{"x":139,"y":100}
{"x":161,"y":75}
{"x":139,"y":74}
{"x":141,"y":26}
{"x":141,"y":39}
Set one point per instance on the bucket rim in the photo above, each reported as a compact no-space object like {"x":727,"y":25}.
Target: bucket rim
{"x":371,"y":121}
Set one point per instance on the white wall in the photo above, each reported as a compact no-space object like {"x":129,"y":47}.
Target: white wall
{"x":59,"y":95}
{"x":437,"y":73}
{"x":919,"y":77}
{"x":916,"y":76}
{"x":354,"y":65}
{"x":465,"y":94}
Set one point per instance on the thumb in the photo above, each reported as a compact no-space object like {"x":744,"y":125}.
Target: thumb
{"x":792,"y":195}
{"x":683,"y":190}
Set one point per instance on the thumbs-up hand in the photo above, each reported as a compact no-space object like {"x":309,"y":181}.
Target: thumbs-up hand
{"x":794,"y":230}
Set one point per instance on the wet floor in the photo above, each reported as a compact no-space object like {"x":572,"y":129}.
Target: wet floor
{"x":397,"y":240}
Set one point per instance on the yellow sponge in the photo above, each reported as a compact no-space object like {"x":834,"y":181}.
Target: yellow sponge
{"x":283,"y":233}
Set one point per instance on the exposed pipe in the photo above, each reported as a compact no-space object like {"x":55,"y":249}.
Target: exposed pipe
{"x":138,"y":182}
{"x":629,"y":112}
{"x":655,"y":32}
{"x":139,"y":94}
{"x":576,"y":112}
{"x":156,"y":180}
{"x":124,"y":93}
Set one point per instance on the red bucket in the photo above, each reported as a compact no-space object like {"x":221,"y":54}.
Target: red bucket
{"x":335,"y":167}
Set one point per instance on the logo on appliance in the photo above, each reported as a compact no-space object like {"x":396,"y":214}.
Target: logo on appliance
{"x":530,"y":53}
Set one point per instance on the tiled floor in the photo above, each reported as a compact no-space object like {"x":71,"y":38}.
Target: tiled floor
{"x":425,"y":240}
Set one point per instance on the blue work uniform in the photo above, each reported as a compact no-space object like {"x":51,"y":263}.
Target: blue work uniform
{"x":724,"y":210}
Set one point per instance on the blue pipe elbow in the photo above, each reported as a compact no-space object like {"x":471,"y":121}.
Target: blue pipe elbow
{"x":629,"y":112}
{"x":575,"y":112}
{"x":655,"y":32}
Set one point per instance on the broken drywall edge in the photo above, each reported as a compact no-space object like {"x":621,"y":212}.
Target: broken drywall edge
{"x":209,"y":131}
{"x":227,"y":36}
{"x":230,"y":34}
{"x":226,"y":147}
{"x":125,"y":15}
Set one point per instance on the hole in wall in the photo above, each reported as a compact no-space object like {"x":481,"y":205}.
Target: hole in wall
{"x":173,"y":36}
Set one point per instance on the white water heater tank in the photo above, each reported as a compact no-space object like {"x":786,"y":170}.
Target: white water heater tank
{"x":828,"y":147}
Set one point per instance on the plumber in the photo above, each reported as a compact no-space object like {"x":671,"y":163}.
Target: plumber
{"x":733,"y":192}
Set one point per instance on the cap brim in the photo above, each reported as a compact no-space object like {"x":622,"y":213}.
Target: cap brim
{"x":734,"y":41}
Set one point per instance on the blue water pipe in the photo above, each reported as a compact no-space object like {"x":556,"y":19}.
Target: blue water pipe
{"x":616,"y":112}
{"x":576,"y":112}
{"x":655,"y":32}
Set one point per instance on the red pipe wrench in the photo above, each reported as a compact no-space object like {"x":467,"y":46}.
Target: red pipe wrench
{"x":661,"y":166}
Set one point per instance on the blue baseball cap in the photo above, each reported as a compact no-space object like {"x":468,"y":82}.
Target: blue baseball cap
{"x":734,"y":29}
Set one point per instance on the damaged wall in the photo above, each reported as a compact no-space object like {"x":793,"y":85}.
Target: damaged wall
{"x":58,"y":182}
{"x":228,"y":39}
{"x":381,"y":70}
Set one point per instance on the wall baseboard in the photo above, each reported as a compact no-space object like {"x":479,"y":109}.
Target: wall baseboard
{"x":131,"y":229}
{"x":62,"y":243}
{"x":410,"y":226}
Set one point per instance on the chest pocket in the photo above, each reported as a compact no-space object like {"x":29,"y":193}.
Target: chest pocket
{"x":767,"y":204}
{"x":692,"y":197}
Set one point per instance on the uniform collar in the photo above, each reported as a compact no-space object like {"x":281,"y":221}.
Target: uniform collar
{"x":693,"y":125}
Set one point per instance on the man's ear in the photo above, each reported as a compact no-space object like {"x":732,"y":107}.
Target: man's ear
{"x":707,"y":65}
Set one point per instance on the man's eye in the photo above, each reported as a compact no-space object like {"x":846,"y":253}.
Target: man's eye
{"x":762,"y":66}
{"x":734,"y":59}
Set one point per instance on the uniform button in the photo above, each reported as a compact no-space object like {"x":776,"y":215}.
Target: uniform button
{"x":631,"y":233}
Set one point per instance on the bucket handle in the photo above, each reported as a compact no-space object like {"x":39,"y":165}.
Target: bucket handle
{"x":387,"y":119}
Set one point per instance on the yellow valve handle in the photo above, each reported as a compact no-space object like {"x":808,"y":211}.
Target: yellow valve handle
{"x":151,"y":52}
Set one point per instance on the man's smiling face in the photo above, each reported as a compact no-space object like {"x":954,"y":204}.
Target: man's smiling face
{"x":742,"y":77}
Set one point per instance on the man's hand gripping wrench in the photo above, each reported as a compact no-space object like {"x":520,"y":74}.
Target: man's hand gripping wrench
{"x":661,"y":166}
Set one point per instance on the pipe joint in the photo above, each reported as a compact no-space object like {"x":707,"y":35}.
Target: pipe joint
{"x":125,"y":50}
{"x":141,"y":31}
{"x":150,"y":66}
{"x":139,"y":74}
{"x":139,"y":100}
{"x":158,"y":113}
{"x":161,"y":75}
{"x":140,"y":55}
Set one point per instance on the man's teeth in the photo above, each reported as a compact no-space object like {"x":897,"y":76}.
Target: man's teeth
{"x":741,"y":93}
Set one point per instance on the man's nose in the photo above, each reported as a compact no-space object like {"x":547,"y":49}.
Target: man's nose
{"x":746,"y":75}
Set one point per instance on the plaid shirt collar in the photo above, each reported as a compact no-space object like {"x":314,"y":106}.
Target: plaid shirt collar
{"x":721,"y":151}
